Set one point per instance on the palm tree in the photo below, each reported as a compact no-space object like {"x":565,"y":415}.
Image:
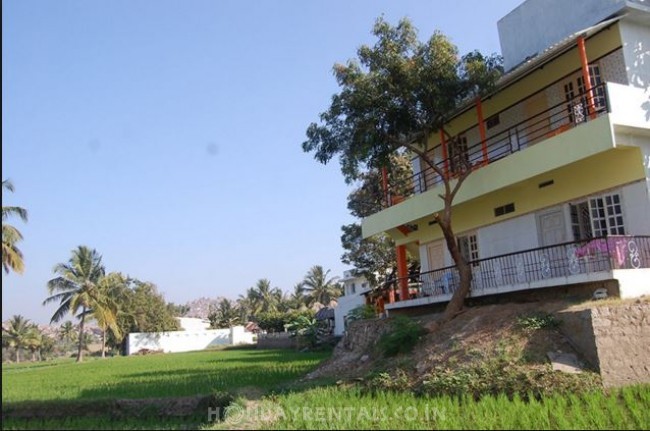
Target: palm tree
{"x":265,"y":298}
{"x":319,"y":288}
{"x":67,"y":331}
{"x":77,"y":288}
{"x":16,"y":334}
{"x":12,"y":257}
{"x":298,"y":300}
{"x":245,"y":307}
{"x":34,"y":340}
{"x":106,"y":309}
{"x":225,"y":316}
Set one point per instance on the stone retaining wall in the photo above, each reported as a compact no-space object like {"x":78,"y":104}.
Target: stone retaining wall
{"x":614,"y":339}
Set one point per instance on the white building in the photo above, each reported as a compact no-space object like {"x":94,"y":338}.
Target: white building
{"x":353,"y":289}
{"x":560,"y":152}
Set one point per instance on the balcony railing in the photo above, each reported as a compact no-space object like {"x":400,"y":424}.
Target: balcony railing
{"x":595,"y":255}
{"x":546,"y":124}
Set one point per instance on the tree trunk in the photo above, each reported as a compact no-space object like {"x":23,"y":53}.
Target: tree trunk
{"x":80,"y":355}
{"x":457,"y":301}
{"x":18,"y":355}
{"x":103,"y":343}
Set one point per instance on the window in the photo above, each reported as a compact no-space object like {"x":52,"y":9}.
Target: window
{"x":569,"y":94}
{"x":598,"y":216}
{"x":492,"y":121}
{"x":598,"y":92}
{"x":505,"y":209}
{"x":353,"y":289}
{"x":577,"y":106}
{"x":468,"y":246}
{"x":458,"y":155}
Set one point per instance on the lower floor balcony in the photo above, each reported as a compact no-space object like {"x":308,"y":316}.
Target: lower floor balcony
{"x":622,"y":258}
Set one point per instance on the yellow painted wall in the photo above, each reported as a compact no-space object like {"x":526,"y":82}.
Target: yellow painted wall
{"x":603,"y":171}
{"x":561,"y":150}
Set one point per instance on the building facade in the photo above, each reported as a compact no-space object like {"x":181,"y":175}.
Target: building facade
{"x":560,"y":189}
{"x":354,"y":288}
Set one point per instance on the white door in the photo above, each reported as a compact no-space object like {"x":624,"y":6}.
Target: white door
{"x":435,"y":255}
{"x":552,"y":229}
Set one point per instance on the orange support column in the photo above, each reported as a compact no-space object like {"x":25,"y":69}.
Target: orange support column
{"x":585,"y":77}
{"x":402,"y":273}
{"x":481,"y":129}
{"x":443,"y":142}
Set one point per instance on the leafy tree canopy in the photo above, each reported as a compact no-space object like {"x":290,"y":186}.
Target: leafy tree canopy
{"x":394,"y":95}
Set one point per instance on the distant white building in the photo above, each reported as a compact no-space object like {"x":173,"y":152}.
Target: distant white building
{"x":353,"y":289}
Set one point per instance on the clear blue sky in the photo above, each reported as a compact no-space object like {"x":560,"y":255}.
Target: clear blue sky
{"x":166,"y":134}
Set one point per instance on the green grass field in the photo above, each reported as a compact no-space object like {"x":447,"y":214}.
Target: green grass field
{"x":286,"y":405}
{"x":155,"y":376}
{"x":330,"y":408}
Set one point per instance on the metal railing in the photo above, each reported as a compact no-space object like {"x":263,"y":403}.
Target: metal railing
{"x":544,"y":125}
{"x":601,"y":254}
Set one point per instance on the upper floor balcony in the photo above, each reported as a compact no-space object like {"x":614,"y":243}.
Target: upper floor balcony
{"x":552,"y":137}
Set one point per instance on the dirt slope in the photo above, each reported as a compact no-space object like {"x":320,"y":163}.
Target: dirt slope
{"x":478,"y":334}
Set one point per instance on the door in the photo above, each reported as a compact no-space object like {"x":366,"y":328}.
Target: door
{"x":537,"y":123}
{"x":435,"y":255}
{"x":552,"y":229}
{"x":435,"y":260}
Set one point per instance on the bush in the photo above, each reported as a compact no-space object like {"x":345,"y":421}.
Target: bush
{"x":497,"y":377}
{"x":305,"y":328}
{"x":277,"y":321}
{"x":538,"y":321}
{"x":398,"y":381}
{"x":362,"y":312}
{"x":403,"y":336}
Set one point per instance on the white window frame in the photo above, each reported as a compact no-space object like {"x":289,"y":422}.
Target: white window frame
{"x":606,"y":215}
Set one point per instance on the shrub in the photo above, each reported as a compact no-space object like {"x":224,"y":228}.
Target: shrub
{"x":403,"y":336}
{"x":362,"y":312}
{"x":398,"y":381}
{"x":496,"y":377}
{"x":538,"y":321}
{"x":276,"y":321}
{"x":305,"y":328}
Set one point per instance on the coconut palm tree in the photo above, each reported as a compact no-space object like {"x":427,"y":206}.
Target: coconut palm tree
{"x":76,"y":289}
{"x":106,"y":309}
{"x":67,"y":331}
{"x":225,"y":316}
{"x":245,"y":307}
{"x":318,"y":287}
{"x":265,"y":297}
{"x":12,"y":257}
{"x":298,"y":299}
{"x":16,"y":334}
{"x":34,"y":341}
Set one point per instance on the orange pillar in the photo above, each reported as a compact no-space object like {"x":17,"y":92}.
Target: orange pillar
{"x":481,"y":129}
{"x":443,"y":142}
{"x":585,"y":77}
{"x":402,"y":273}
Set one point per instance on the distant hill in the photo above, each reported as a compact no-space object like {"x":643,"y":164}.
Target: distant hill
{"x":201,"y":307}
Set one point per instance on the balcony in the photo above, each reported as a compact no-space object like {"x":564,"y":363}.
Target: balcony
{"x":566,"y":142}
{"x":549,"y":123}
{"x":595,"y":259}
